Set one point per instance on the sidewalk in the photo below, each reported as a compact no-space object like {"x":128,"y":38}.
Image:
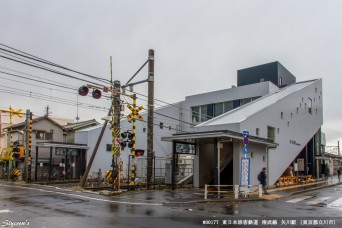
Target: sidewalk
{"x":280,"y":192}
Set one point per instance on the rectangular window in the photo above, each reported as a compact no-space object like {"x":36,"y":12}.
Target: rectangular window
{"x":204,"y":113}
{"x":310,"y":105}
{"x":40,"y":135}
{"x":257,"y":131}
{"x":229,"y":105}
{"x":195,"y":114}
{"x":108,"y":147}
{"x":48,"y":136}
{"x":245,"y":101}
{"x":271,"y":133}
{"x":218,"y":109}
{"x":161,"y":125}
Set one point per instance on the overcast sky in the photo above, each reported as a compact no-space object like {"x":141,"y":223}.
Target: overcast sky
{"x":199,"y":46}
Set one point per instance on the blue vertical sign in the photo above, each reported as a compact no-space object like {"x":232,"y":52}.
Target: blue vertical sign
{"x":245,"y":141}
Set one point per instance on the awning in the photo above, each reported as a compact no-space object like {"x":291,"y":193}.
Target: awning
{"x":220,"y":135}
{"x":62,"y":145}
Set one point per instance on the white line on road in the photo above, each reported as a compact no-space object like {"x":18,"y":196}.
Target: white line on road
{"x":86,"y":197}
{"x":336,"y":203}
{"x":317,"y":200}
{"x":6,"y":211}
{"x":299,"y":199}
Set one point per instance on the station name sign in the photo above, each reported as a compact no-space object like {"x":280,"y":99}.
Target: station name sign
{"x":185,"y":148}
{"x":293,"y":142}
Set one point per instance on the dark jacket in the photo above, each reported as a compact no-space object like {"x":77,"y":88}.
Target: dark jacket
{"x":263,"y":177}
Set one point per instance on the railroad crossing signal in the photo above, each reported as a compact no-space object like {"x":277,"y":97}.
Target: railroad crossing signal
{"x":12,"y":112}
{"x":135,"y":111}
{"x":18,"y":113}
{"x":139,"y":153}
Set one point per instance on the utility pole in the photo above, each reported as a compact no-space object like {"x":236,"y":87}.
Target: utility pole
{"x":150,"y":111}
{"x":116,"y":102}
{"x":28,"y":146}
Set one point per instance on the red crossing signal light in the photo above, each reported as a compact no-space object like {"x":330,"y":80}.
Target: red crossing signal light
{"x":96,"y":94}
{"x":83,"y":91}
{"x":139,"y":153}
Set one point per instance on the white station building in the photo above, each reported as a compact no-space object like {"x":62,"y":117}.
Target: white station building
{"x":283,"y":118}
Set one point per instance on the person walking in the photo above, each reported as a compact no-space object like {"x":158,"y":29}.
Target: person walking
{"x":339,"y":174}
{"x":262,"y":178}
{"x":326,"y":172}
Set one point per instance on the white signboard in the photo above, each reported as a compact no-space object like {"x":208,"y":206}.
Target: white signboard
{"x":300,"y":162}
{"x":244,"y":178}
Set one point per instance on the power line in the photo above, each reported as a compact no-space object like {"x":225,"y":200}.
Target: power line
{"x":48,"y":69}
{"x":36,"y":80}
{"x":49,"y":98}
{"x":34,"y":76}
{"x":32,"y":57}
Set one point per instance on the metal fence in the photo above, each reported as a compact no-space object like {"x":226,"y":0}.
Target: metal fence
{"x":236,"y":190}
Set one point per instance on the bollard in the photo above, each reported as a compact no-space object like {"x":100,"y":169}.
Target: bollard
{"x":236,"y":191}
{"x":260,"y":191}
{"x":205,"y":191}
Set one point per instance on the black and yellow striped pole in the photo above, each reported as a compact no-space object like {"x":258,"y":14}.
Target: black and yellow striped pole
{"x":115,"y":125}
{"x":133,"y":116}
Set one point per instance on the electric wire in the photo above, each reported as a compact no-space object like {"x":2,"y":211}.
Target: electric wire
{"x":34,"y":76}
{"x":37,"y":80}
{"x":48,"y":98}
{"x":50,"y":70}
{"x":32,"y":57}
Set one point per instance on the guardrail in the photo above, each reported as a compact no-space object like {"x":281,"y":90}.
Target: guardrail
{"x":236,"y":190}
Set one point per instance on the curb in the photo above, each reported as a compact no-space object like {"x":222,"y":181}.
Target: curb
{"x":315,"y":188}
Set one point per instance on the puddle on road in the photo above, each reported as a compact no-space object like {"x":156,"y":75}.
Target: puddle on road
{"x":231,"y":210}
{"x":149,"y":212}
{"x":113,"y":207}
{"x":131,"y":209}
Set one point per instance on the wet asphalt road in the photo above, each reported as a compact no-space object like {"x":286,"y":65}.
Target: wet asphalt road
{"x":44,"y":206}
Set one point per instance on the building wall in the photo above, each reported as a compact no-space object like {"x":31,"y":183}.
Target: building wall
{"x":292,"y":132}
{"x":206,"y":162}
{"x":265,"y":72}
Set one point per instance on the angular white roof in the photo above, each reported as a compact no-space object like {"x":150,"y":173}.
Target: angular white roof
{"x":242,"y":113}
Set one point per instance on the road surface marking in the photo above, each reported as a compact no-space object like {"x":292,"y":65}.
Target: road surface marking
{"x":336,"y":203}
{"x":6,"y":211}
{"x":86,"y":197}
{"x":299,"y":199}
{"x":317,"y":200}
